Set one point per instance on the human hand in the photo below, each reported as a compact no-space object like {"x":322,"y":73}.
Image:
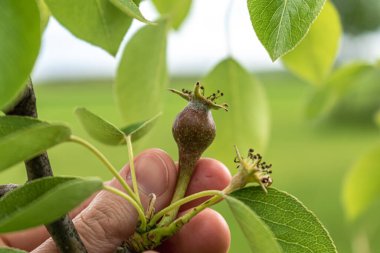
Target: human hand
{"x":105,"y":220}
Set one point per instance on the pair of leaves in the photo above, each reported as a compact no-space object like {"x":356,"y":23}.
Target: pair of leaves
{"x":105,"y":132}
{"x":280,"y":25}
{"x":142,"y":73}
{"x":100,"y":22}
{"x":22,"y":207}
{"x":361,"y":187}
{"x":176,"y":10}
{"x":277,"y":222}
{"x":314,"y":57}
{"x":19,"y":47}
{"x":248,"y":110}
{"x":23,"y":138}
{"x":340,"y":81}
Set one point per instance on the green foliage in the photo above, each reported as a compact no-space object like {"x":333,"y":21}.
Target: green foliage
{"x":248,"y":114}
{"x":314,"y":57}
{"x":325,"y":98}
{"x":176,"y":10}
{"x":142,"y":74}
{"x":44,"y":14}
{"x":295,"y":227}
{"x":360,"y":102}
{"x":11,"y":250}
{"x":260,"y":237}
{"x":50,"y":196}
{"x":361,"y":187}
{"x":140,"y":129}
{"x":23,"y":138}
{"x":100,"y":129}
{"x":98,"y":22}
{"x":281,"y":24}
{"x":359,"y":16}
{"x":377,"y":118}
{"x":19,"y":46}
{"x":106,"y":133}
{"x":130,"y":8}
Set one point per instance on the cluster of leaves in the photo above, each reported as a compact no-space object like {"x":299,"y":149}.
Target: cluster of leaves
{"x":276,"y":221}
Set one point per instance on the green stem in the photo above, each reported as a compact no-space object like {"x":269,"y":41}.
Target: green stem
{"x":186,"y":167}
{"x":105,"y":161}
{"x":153,"y":238}
{"x":133,"y":170}
{"x":181,"y":202}
{"x":131,"y":201}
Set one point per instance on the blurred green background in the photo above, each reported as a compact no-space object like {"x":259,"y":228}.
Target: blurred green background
{"x":309,"y":160}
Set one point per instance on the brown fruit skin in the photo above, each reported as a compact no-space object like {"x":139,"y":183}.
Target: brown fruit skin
{"x":194,"y":129}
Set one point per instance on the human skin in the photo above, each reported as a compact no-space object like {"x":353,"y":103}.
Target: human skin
{"x":105,"y":220}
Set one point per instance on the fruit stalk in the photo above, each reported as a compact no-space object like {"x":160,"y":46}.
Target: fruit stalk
{"x":193,"y":130}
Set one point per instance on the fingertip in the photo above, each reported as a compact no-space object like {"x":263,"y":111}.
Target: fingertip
{"x":209,"y":174}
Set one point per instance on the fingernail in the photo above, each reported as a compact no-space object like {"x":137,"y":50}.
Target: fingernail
{"x":152,"y":174}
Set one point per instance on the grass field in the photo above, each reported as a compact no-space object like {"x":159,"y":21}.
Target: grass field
{"x":310,"y":160}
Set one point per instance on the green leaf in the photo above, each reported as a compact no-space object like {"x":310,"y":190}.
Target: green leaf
{"x":100,"y":129}
{"x":260,"y":237}
{"x":23,"y":138}
{"x":295,"y":227}
{"x":177,"y":10}
{"x":19,"y":46}
{"x":98,"y":22}
{"x":22,"y":207}
{"x":44,"y":14}
{"x":377,"y":118}
{"x":11,"y":250}
{"x":142,"y":73}
{"x":281,"y":24}
{"x":139,"y":129}
{"x":326,"y":97}
{"x":361,"y":186}
{"x":314,"y":57}
{"x":130,"y":8}
{"x":248,"y":110}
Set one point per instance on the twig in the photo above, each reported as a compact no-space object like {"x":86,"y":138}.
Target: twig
{"x":62,"y":230}
{"x":7,"y":188}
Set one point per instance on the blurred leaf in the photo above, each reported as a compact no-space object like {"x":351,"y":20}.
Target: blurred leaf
{"x":326,"y":97}
{"x":281,"y":25}
{"x":100,"y":129}
{"x":44,"y":14}
{"x":260,"y":237}
{"x":98,"y":22}
{"x":295,"y":227}
{"x":19,"y":46}
{"x":314,"y":57}
{"x":130,"y":8}
{"x":22,"y":207}
{"x":361,"y":187}
{"x":11,"y":250}
{"x":361,"y":100}
{"x":142,"y":73}
{"x":177,"y":10}
{"x":359,"y":17}
{"x":23,"y":138}
{"x":246,"y":124}
{"x":138,"y":130}
{"x":377,"y":118}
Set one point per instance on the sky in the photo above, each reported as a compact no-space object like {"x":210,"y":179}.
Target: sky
{"x":214,"y":30}
{"x":200,"y":44}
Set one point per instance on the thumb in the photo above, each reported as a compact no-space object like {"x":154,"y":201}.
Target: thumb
{"x":109,"y":219}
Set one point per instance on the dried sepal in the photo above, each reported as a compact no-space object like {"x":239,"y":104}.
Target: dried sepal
{"x":198,"y":96}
